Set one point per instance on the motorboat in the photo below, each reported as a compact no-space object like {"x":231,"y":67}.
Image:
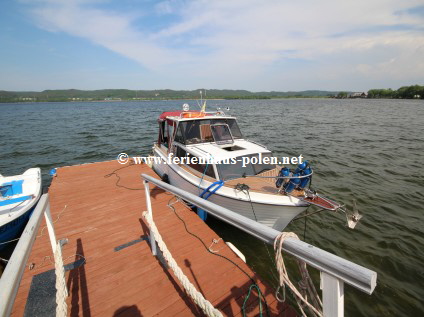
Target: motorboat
{"x":206,"y":154}
{"x":19,"y":195}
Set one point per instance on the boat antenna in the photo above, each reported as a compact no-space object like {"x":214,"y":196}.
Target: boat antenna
{"x":204,"y":104}
{"x":199,"y":103}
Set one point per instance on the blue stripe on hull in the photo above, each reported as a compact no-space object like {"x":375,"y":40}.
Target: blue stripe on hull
{"x":13,"y":229}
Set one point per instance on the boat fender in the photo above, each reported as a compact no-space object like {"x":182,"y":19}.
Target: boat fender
{"x":236,"y":251}
{"x":305,"y":181}
{"x":53,"y":172}
{"x":292,"y":184}
{"x":284,"y":172}
{"x":301,"y":167}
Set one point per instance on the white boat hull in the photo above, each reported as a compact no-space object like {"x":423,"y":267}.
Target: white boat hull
{"x":275,"y":211}
{"x":16,"y":208}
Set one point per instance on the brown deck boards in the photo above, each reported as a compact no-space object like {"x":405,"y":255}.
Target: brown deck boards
{"x":102,"y":213}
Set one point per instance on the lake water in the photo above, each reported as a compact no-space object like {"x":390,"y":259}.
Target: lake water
{"x":371,"y":150}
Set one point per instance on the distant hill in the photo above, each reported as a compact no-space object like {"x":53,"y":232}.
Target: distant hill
{"x":163,"y":94}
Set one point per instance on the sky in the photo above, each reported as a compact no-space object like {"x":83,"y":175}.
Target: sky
{"x":257,"y":45}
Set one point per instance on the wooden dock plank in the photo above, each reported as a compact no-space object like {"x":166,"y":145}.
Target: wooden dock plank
{"x":98,"y":207}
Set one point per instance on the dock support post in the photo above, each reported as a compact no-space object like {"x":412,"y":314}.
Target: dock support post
{"x":50,"y":228}
{"x":149,"y":210}
{"x":332,"y":295}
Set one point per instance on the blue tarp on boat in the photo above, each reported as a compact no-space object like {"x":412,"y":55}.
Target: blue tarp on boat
{"x":11,"y":188}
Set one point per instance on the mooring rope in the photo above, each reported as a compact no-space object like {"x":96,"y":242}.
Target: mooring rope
{"x":198,"y":298}
{"x":61,"y":290}
{"x":57,"y":219}
{"x":306,"y":282}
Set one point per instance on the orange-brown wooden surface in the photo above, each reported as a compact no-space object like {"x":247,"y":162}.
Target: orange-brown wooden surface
{"x":98,"y":211}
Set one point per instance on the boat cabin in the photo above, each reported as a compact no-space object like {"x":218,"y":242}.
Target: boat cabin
{"x":193,"y":128}
{"x":211,"y":145}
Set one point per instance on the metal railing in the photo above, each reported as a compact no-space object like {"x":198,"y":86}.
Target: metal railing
{"x":335,"y":271}
{"x":12,"y":275}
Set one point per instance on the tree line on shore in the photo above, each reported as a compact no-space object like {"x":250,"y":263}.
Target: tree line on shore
{"x":163,"y":94}
{"x":406,"y":92}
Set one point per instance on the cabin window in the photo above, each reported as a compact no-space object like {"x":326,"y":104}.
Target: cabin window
{"x":170,"y":132}
{"x":232,"y":171}
{"x":199,"y":131}
{"x":194,"y":162}
{"x":179,"y":152}
{"x":179,"y":135}
{"x":191,"y":132}
{"x":201,"y":168}
{"x":268,"y":162}
{"x":221,"y":133}
{"x":163,"y":135}
{"x":235,"y":130}
{"x":206,"y":132}
{"x":232,"y":123}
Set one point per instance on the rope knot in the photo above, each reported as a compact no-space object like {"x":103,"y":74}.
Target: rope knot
{"x":305,"y":284}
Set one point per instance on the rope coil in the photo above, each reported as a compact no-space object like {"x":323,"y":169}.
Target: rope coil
{"x":305,"y":284}
{"x":198,"y":298}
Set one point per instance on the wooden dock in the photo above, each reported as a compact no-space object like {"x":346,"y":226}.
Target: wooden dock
{"x":98,"y":208}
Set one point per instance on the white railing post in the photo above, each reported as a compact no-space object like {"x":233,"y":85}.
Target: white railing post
{"x":149,"y":210}
{"x":11,"y":278}
{"x":50,"y":228}
{"x":332,"y":295}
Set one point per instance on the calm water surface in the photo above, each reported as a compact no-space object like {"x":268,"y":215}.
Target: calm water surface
{"x":371,"y":150}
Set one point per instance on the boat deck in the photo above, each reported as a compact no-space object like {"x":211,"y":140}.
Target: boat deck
{"x":98,"y":208}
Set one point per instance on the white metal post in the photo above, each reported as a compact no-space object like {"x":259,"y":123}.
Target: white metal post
{"x":149,"y":211}
{"x":12,"y":275}
{"x":50,"y":228}
{"x":332,"y":295}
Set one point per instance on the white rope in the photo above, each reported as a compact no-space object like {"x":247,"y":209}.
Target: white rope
{"x":57,"y":219}
{"x":61,"y":290}
{"x":306,"y":282}
{"x":198,"y":298}
{"x":214,"y":241}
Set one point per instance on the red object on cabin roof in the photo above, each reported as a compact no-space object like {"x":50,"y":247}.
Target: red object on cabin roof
{"x":165,"y":114}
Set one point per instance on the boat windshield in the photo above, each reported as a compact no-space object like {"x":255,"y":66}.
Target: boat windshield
{"x":252,"y":164}
{"x":199,"y":131}
{"x":221,"y":133}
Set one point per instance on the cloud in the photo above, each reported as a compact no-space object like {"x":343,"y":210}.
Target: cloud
{"x":112,"y":30}
{"x":223,"y":42}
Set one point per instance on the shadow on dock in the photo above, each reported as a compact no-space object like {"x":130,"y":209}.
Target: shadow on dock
{"x":77,"y":286}
{"x":128,"y":311}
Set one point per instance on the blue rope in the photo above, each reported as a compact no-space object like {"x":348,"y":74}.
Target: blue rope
{"x":206,"y":194}
{"x":209,"y":192}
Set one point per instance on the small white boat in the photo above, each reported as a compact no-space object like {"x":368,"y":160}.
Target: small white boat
{"x":19,"y":195}
{"x":206,"y":154}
